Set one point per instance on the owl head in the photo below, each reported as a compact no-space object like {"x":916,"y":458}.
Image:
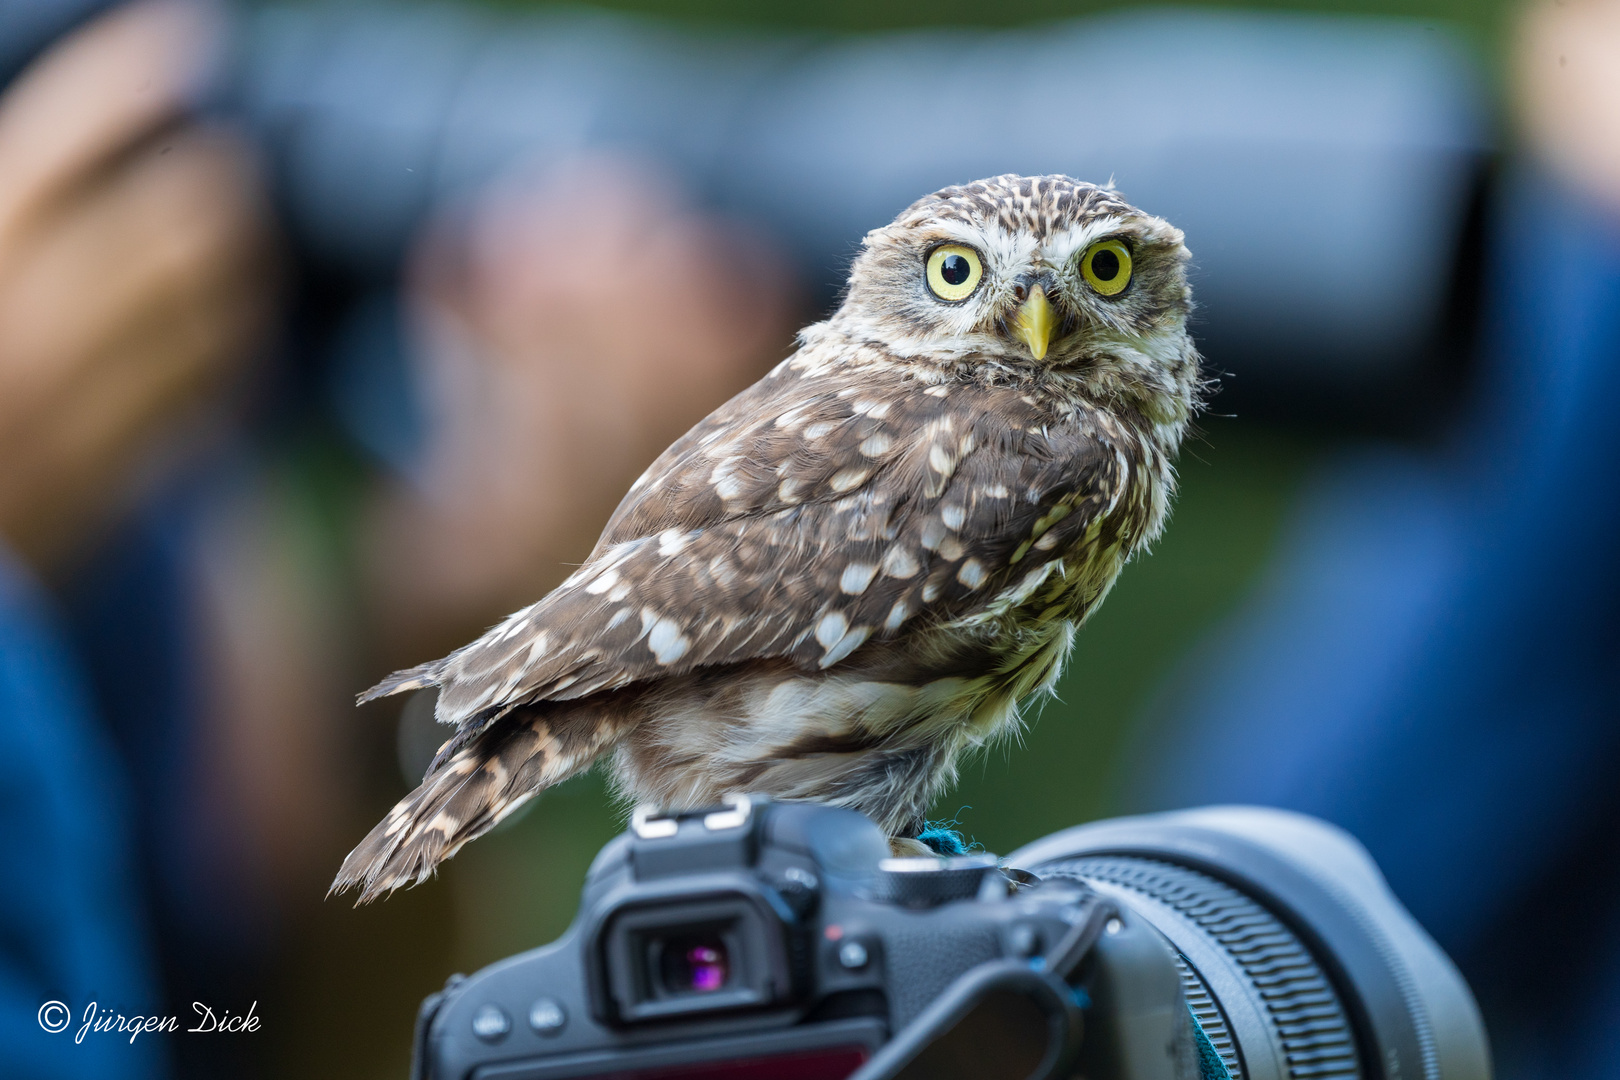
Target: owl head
{"x":1031,"y":275}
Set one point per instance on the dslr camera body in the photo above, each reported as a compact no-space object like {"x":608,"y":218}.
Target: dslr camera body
{"x":779,"y":940}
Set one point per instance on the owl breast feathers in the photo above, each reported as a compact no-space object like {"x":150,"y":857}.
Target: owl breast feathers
{"x":858,"y":568}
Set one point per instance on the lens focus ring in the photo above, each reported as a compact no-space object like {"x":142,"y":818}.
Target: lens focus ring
{"x":1272,"y":970}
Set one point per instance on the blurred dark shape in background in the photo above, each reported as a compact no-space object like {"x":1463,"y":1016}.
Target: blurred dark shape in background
{"x":1327,"y":166}
{"x":521,"y":251}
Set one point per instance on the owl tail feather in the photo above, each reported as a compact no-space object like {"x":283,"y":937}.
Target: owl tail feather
{"x":413,"y":678}
{"x":509,"y":763}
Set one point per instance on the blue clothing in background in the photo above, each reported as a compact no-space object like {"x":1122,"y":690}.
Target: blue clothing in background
{"x":70,"y":926}
{"x":1434,"y":661}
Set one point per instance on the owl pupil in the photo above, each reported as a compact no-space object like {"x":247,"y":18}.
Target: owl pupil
{"x":954,"y":269}
{"x":1105,"y":264}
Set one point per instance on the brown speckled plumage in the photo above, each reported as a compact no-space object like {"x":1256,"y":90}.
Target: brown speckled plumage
{"x":856,"y":569}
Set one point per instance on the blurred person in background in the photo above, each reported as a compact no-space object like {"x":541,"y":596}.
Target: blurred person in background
{"x":187,"y":771}
{"x":132,"y":267}
{"x":1433,"y":659}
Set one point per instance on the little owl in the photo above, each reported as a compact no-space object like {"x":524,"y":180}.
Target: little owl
{"x":861,"y":566}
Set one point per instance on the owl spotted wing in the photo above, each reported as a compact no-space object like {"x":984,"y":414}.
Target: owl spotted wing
{"x":800,"y":520}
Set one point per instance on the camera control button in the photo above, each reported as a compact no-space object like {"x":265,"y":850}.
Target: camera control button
{"x":547,"y":1016}
{"x":801,"y":877}
{"x":1025,"y":940}
{"x":852,"y":955}
{"x":490,"y":1023}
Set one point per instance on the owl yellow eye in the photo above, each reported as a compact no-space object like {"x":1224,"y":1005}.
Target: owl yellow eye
{"x":954,"y":271}
{"x":1106,"y":266}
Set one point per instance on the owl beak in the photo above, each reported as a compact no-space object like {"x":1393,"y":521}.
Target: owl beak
{"x":1034,"y":322}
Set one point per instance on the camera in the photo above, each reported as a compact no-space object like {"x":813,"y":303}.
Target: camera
{"x":765,"y":940}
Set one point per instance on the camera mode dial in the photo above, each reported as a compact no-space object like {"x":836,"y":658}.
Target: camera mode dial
{"x":929,"y":882}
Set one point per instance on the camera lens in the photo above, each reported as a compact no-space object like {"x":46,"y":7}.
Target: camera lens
{"x":1294,"y":955}
{"x":695,"y":964}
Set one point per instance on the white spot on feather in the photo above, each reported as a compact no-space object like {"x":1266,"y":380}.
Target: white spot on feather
{"x":856,"y":577}
{"x":666,"y":641}
{"x":819,"y":428}
{"x":972,"y":574}
{"x":603,"y":583}
{"x":831,"y":629}
{"x":672,"y":541}
{"x":538,"y":646}
{"x":899,"y":562}
{"x":952,"y":515}
{"x":897,"y":615}
{"x":876,"y":445}
{"x":846,"y":479}
{"x":846,"y":645}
